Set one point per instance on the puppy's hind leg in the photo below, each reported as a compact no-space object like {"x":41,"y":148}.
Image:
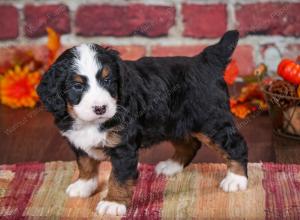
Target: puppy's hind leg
{"x":185,"y":150}
{"x":231,"y":145}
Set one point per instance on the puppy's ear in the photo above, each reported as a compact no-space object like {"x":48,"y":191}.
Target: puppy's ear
{"x":114,"y":54}
{"x":50,"y":90}
{"x":123,"y":78}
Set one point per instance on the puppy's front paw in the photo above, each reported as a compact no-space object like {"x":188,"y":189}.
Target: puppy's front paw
{"x":233,"y":182}
{"x":111,"y":208}
{"x":82,"y":188}
{"x":168,"y":167}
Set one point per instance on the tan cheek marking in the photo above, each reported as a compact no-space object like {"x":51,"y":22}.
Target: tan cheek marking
{"x":233,"y":166}
{"x":120,"y":192}
{"x":70,"y":110}
{"x":113,"y":137}
{"x":98,"y":153}
{"x":88,"y":167}
{"x":105,"y":72}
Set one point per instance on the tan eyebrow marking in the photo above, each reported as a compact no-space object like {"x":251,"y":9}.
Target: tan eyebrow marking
{"x":105,"y":72}
{"x":78,"y":78}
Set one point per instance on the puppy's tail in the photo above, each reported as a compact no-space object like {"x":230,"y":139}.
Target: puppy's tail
{"x":228,"y":43}
{"x":223,"y":50}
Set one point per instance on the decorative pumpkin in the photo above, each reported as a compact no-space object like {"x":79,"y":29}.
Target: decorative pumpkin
{"x":290,"y":71}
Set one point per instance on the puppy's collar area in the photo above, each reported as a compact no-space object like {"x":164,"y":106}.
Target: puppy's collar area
{"x":80,"y":124}
{"x":84,"y":135}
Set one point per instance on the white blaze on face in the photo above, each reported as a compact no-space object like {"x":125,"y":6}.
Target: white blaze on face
{"x":95,"y":95}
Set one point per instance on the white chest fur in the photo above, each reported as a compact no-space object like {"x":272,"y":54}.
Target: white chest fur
{"x":86,"y":136}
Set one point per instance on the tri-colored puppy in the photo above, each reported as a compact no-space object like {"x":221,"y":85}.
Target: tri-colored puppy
{"x":109,"y":108}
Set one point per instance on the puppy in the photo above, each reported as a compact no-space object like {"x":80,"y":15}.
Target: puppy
{"x":109,"y":108}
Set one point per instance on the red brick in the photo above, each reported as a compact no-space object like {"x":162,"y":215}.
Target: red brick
{"x":269,"y":18}
{"x":131,"y":52}
{"x":244,"y":57}
{"x":37,"y":18}
{"x":187,"y":50}
{"x":204,"y":20}
{"x":133,"y":19}
{"x":8,"y":22}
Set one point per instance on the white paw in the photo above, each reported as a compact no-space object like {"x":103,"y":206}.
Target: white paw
{"x":82,"y":188}
{"x":233,"y":182}
{"x":168,"y":167}
{"x":111,"y":208}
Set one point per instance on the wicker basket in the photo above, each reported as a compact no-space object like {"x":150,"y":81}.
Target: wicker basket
{"x":285,"y":119}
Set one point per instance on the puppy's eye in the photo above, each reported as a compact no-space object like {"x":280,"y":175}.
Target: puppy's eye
{"x":77,"y":86}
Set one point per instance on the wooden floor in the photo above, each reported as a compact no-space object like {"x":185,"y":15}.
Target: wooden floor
{"x":30,"y":135}
{"x":286,"y":150}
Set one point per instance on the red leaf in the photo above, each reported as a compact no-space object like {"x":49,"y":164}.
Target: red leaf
{"x":231,"y":72}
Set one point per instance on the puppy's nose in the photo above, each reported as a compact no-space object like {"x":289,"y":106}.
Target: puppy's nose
{"x":100,"y":110}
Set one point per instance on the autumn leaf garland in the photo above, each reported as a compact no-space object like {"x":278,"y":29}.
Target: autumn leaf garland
{"x":21,"y":76}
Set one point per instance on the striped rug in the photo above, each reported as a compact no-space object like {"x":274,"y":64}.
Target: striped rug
{"x":37,"y":191}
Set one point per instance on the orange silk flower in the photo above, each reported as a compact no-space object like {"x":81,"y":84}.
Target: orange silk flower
{"x":17,"y":87}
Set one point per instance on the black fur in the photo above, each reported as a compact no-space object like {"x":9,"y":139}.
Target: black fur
{"x":159,"y":99}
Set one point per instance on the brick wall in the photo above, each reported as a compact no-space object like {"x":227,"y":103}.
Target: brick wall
{"x":269,"y":29}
